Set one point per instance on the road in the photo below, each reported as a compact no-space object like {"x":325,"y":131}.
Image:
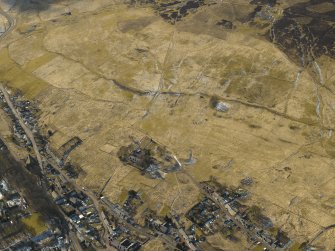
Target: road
{"x":26,"y":129}
{"x":140,"y":230}
{"x":93,"y":197}
{"x":218,"y":201}
{"x":251,"y":233}
{"x":80,"y":189}
{"x":321,"y":233}
{"x":183,"y":235}
{"x":30,"y":135}
{"x":11,"y":23}
{"x":75,"y":242}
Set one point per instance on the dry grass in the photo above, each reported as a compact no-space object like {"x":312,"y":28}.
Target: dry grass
{"x":79,"y":55}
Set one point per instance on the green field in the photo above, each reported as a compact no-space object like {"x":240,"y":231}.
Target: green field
{"x":35,"y":224}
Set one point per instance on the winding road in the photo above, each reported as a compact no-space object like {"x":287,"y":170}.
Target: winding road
{"x":30,"y":135}
{"x":11,"y":23}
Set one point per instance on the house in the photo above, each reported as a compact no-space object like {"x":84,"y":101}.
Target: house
{"x":68,"y":209}
{"x":61,"y":201}
{"x":75,"y":202}
{"x":14,"y":200}
{"x":43,"y":237}
{"x":74,"y":218}
{"x":221,"y":106}
{"x":4,"y":186}
{"x":159,"y":225}
{"x":127,"y":245}
{"x":282,"y":240}
{"x":88,"y":211}
{"x":239,"y":208}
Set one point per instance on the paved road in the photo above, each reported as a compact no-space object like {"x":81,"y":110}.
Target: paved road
{"x":218,"y":201}
{"x":79,"y":188}
{"x":75,"y":242}
{"x":252,"y":233}
{"x":141,"y":230}
{"x":30,"y":135}
{"x":27,"y":131}
{"x":183,"y":235}
{"x":11,"y":22}
{"x":92,"y":196}
{"x":94,"y":199}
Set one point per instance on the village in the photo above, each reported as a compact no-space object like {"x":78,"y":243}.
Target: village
{"x":20,"y":226}
{"x":90,"y":224}
{"x":222,"y":210}
{"x":98,"y":223}
{"x":150,"y":158}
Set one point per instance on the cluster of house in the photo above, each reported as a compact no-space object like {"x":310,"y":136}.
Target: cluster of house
{"x":171,"y":226}
{"x":10,"y":201}
{"x":123,"y":239}
{"x":126,"y":245}
{"x":60,"y":156}
{"x":160,"y":224}
{"x":12,"y":209}
{"x":155,"y":161}
{"x":18,"y":132}
{"x":150,"y":158}
{"x":121,"y":224}
{"x":70,"y":170}
{"x":76,"y":206}
{"x":250,"y":218}
{"x":118,"y":219}
{"x":51,"y":239}
{"x":26,"y":110}
{"x":120,"y":236}
{"x":207,"y":216}
{"x":123,"y":229}
{"x":13,"y":234}
{"x":132,"y":202}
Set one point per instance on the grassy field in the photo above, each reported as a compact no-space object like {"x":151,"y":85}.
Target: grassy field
{"x":35,"y":224}
{"x":80,"y":54}
{"x":19,"y":79}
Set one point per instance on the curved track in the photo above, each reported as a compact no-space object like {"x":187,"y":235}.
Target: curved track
{"x":321,"y":233}
{"x":11,"y":23}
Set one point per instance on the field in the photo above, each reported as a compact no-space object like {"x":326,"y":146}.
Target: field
{"x":95,"y":73}
{"x":35,"y":224}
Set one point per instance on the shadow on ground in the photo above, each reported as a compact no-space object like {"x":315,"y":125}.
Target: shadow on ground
{"x":31,"y":5}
